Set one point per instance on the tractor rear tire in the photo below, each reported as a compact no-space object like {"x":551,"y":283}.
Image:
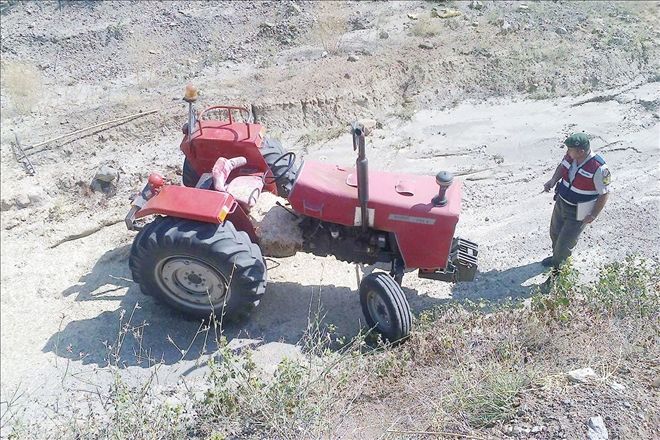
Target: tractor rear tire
{"x":385,"y":306}
{"x":190,"y":176}
{"x":200,"y":269}
{"x":271,"y":150}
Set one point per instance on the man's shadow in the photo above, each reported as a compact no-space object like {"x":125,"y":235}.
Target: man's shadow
{"x":142,"y":332}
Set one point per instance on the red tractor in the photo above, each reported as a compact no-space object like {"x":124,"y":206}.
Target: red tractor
{"x":201,"y":254}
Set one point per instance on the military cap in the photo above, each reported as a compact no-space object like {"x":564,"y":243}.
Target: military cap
{"x":577,"y":140}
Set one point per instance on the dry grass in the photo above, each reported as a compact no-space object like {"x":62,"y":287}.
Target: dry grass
{"x":142,"y":56}
{"x":23,"y":83}
{"x":461,"y":373}
{"x":427,"y":27}
{"x":329,"y":27}
{"x":319,"y":135}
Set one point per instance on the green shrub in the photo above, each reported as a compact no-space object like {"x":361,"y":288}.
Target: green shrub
{"x":627,"y":289}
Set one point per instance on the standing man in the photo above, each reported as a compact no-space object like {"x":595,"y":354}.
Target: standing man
{"x":581,"y":184}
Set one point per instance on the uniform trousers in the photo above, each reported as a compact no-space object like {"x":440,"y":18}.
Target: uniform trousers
{"x":564,"y":231}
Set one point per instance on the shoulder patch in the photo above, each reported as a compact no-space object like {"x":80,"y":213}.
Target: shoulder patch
{"x":599,"y":159}
{"x":607,"y":177}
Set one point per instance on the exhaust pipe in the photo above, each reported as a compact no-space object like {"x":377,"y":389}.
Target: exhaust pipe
{"x":362,"y":169}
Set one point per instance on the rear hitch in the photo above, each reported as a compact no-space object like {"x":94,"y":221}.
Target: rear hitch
{"x":462,"y":265}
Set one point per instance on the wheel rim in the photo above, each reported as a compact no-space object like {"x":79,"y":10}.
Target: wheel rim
{"x":191,"y":282}
{"x":378,"y":311}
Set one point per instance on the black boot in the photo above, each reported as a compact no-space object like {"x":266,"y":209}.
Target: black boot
{"x":547,"y":285}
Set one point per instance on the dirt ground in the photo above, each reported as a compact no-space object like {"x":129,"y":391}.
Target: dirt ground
{"x":489,"y":95}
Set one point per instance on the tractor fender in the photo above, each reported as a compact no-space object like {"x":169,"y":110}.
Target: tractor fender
{"x":197,"y":204}
{"x":190,"y":203}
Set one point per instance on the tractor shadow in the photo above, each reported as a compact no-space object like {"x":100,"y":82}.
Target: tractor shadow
{"x":136,"y":330}
{"x":141,"y":332}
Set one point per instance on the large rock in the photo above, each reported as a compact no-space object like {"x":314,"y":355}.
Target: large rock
{"x":276,"y":228}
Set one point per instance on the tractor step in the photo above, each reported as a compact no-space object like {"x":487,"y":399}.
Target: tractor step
{"x":462,"y":264}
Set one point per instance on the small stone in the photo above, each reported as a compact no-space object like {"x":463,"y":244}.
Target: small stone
{"x":519,"y":430}
{"x":445,"y":13}
{"x":12,"y":223}
{"x":486,"y":219}
{"x":596,"y":429}
{"x":656,"y":382}
{"x":627,"y":404}
{"x":412,"y":16}
{"x":475,"y":4}
{"x":352,"y":58}
{"x":6,"y":204}
{"x":324,"y":54}
{"x":383,"y":35}
{"x":475,"y":23}
{"x":617,"y":386}
{"x":582,"y":375}
{"x":106,"y":174}
{"x":561,"y":31}
{"x":506,"y":26}
{"x":347,"y":75}
{"x":427,"y":45}
{"x":523,"y":7}
{"x":22,"y":201}
{"x":537,"y":429}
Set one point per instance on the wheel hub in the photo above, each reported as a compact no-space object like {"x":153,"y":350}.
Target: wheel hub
{"x":188,"y":280}
{"x":378,"y":310}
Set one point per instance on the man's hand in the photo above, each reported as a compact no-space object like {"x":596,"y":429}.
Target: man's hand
{"x":547,"y":186}
{"x":588,"y":219}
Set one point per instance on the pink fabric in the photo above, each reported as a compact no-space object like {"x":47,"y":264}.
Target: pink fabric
{"x":223,"y":168}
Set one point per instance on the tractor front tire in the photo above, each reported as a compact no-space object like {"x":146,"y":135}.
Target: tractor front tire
{"x":385,"y":306}
{"x":200,"y":269}
{"x":190,"y":176}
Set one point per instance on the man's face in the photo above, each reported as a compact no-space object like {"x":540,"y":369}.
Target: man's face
{"x":577,"y":154}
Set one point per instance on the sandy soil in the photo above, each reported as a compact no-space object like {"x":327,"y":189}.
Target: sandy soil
{"x":439,"y":109}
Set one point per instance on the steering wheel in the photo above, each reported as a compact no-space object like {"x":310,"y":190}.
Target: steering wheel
{"x":270,"y":177}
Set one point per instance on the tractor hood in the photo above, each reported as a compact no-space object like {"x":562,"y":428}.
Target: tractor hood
{"x":398,"y":203}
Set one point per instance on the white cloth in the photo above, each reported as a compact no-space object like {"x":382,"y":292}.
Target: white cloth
{"x":222,"y":168}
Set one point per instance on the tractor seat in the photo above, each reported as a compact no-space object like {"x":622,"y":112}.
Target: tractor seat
{"x":246,"y":190}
